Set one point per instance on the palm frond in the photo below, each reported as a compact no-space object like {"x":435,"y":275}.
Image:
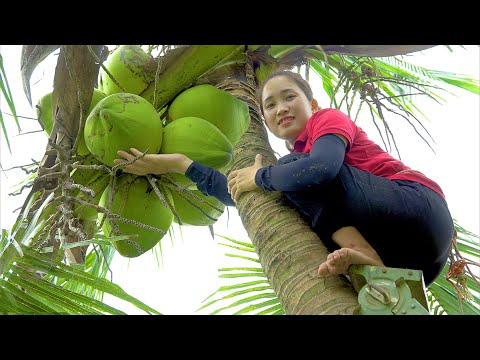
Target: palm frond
{"x":32,"y":56}
{"x":97,"y":264}
{"x":465,"y":299}
{"x":415,"y":72}
{"x":34,"y":282}
{"x":25,"y":292}
{"x":253,"y":295}
{"x":384,"y":85}
{"x":8,"y":97}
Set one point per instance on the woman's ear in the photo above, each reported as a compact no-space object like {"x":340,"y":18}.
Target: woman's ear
{"x":315,"y":106}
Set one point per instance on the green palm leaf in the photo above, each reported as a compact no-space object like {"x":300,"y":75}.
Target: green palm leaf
{"x":8,"y":97}
{"x":64,"y":288}
{"x":254,"y":296}
{"x":40,"y":294}
{"x":392,"y":85}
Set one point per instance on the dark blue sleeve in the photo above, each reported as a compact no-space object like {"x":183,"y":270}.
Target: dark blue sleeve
{"x":210,"y":182}
{"x":323,"y":164}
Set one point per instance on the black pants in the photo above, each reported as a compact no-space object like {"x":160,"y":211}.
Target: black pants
{"x":408,"y":224}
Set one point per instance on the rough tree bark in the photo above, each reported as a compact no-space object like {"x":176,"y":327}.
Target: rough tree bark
{"x":289,"y":251}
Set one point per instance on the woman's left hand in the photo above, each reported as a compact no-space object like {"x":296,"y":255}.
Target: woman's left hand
{"x":243,"y":180}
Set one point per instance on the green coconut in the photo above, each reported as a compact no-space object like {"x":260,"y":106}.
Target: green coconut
{"x":196,"y":209}
{"x":225,"y":111}
{"x":135,"y":199}
{"x":131,"y":67}
{"x":120,"y":122}
{"x":85,"y":176}
{"x":200,"y":140}
{"x":45,"y":116}
{"x":180,"y":180}
{"x":45,"y":113}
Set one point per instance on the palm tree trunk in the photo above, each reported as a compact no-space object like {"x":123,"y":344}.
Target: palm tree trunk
{"x":75,"y":77}
{"x":289,"y":251}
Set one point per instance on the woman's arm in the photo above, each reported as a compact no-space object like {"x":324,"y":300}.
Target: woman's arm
{"x":156,"y":164}
{"x":323,"y":164}
{"x":209,"y":181}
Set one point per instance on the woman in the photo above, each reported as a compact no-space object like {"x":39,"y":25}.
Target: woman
{"x":365,"y":205}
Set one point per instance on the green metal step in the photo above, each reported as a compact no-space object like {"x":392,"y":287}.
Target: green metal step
{"x":388,"y":291}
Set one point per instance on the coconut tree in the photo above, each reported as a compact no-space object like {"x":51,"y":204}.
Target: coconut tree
{"x":58,"y":276}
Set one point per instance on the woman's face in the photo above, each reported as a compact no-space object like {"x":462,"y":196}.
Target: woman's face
{"x":286,"y":108}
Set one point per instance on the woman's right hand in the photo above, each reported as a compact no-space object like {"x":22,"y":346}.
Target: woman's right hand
{"x":153,"y":163}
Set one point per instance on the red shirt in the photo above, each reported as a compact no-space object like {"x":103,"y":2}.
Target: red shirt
{"x":361,"y":152}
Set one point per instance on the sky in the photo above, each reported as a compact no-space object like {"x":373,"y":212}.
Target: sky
{"x":188,"y":269}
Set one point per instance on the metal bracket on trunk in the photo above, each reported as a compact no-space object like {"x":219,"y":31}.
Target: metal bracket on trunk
{"x":388,"y":291}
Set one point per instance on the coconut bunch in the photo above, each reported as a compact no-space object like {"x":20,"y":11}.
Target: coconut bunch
{"x":203,"y":122}
{"x":121,"y":121}
{"x":45,"y":116}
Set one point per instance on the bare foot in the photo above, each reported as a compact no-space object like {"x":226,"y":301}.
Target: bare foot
{"x":340,"y":260}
